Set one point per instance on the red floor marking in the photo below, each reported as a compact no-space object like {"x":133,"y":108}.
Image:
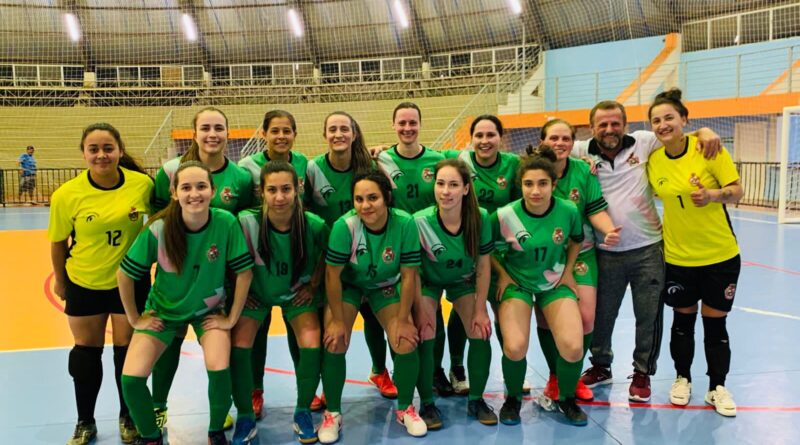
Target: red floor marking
{"x":497,"y":395}
{"x":767,"y":266}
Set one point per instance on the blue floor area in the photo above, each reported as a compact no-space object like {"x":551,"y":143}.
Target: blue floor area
{"x":37,"y":402}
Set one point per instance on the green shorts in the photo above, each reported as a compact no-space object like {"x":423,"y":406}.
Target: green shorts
{"x":172,"y":327}
{"x":585,"y":271}
{"x":546,"y":297}
{"x":377,"y":298}
{"x":514,"y":291}
{"x":452,"y":292}
{"x":290,"y":311}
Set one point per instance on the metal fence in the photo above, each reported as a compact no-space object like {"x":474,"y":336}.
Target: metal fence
{"x":47,"y":181}
{"x":760,"y":180}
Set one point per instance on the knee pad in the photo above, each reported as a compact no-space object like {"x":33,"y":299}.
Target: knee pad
{"x":683,"y":324}
{"x":716,"y":330}
{"x":85,"y":363}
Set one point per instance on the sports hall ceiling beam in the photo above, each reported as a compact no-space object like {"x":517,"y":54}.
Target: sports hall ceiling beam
{"x":78,"y":7}
{"x":532,"y":19}
{"x":419,"y":31}
{"x":190,"y":7}
{"x":308,"y":29}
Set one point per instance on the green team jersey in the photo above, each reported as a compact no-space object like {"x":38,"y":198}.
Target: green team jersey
{"x":534,"y":247}
{"x":327,"y":192}
{"x":272,"y":283}
{"x":444,"y":257}
{"x":372,"y":260}
{"x":496,"y":185}
{"x":579,"y":185}
{"x":199,"y":288}
{"x":412,"y":178}
{"x":254,"y":163}
{"x":233,"y":183}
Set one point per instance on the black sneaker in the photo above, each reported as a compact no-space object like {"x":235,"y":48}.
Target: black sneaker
{"x":431,"y":415}
{"x":441,"y":384}
{"x":481,"y":411}
{"x":84,"y":433}
{"x":573,"y":412}
{"x":509,"y":412}
{"x":217,"y":438}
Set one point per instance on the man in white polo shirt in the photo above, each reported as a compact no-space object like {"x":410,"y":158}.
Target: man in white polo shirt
{"x":638,"y":259}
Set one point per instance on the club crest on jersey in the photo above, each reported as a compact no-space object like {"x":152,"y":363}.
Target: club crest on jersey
{"x":558,"y":235}
{"x":522,"y":236}
{"x":427,"y":174}
{"x":300,"y":183}
{"x":388,"y":255}
{"x":438,"y":249}
{"x":694,"y":180}
{"x":133,"y":215}
{"x":633,"y":159}
{"x":326,"y":191}
{"x":388,"y":292}
{"x":213,"y":253}
{"x":730,"y":291}
{"x":574,"y":195}
{"x":226,"y":194}
{"x":581,"y":268}
{"x":90,"y":217}
{"x":502,"y":182}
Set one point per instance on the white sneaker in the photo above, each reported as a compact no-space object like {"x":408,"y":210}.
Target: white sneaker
{"x":722,"y":401}
{"x":328,"y":431}
{"x":459,"y":382}
{"x":681,"y":392}
{"x":412,"y":421}
{"x":526,"y":387}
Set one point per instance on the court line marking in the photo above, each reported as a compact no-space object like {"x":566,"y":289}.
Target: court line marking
{"x":767,"y":266}
{"x":769,"y":313}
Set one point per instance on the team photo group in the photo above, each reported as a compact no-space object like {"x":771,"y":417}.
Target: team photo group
{"x":552,"y":237}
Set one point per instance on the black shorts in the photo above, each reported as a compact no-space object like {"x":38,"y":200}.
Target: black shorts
{"x":714,"y":285}
{"x":81,"y":301}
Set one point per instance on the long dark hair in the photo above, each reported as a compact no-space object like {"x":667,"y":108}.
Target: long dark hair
{"x":541,"y":158}
{"x":126,"y":161}
{"x":379,"y":178}
{"x":193,"y":153}
{"x":470,"y":212}
{"x":360,"y":159}
{"x":174,"y":227}
{"x":297,"y":228}
{"x":487,"y":117}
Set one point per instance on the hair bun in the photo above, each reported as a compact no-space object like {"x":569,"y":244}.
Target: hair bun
{"x":671,"y":94}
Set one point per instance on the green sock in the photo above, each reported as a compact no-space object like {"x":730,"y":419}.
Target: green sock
{"x":219,"y":398}
{"x":499,"y":333}
{"x":425,"y":379}
{"x":164,"y":372}
{"x":334,"y":369}
{"x":307,"y":374}
{"x":568,"y":375}
{"x":587,"y":342}
{"x":439,"y":340}
{"x":241,"y":383}
{"x":514,"y":375}
{"x":548,"y":345}
{"x":373,"y":335}
{"x":456,"y":339}
{"x":259,"y":358}
{"x":406,"y":371}
{"x":478,"y":360}
{"x":291,"y":340}
{"x":140,"y":405}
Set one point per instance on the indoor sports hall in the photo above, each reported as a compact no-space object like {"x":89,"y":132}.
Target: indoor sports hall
{"x":147,"y":66}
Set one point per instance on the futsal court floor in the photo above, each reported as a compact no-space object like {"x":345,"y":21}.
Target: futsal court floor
{"x":37,"y":404}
